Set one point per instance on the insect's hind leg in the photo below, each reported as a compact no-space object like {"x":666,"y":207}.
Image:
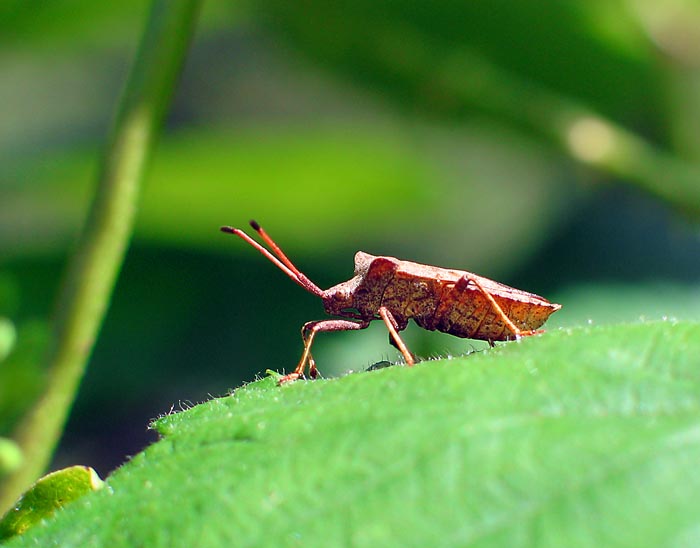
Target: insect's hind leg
{"x":517,"y":332}
{"x":394,"y":338}
{"x":308,"y":333}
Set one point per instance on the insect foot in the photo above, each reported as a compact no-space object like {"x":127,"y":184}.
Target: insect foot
{"x":452,"y":301}
{"x":288,"y":378}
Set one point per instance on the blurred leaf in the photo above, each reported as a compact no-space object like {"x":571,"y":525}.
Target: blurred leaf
{"x":615,"y":303}
{"x":71,"y":23}
{"x":562,"y":73}
{"x":200,"y":180}
{"x":10,"y":456}
{"x":594,"y":52}
{"x":581,"y":437}
{"x":9,"y":294}
{"x":292,"y":176}
{"x":8,"y":336}
{"x":21,"y":374}
{"x":315,"y":187}
{"x":47,"y":495}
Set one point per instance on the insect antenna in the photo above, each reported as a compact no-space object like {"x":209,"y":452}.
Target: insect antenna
{"x":275,"y":248}
{"x":277,"y":256}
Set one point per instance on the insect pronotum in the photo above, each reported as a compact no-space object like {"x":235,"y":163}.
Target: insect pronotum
{"x":451,"y":301}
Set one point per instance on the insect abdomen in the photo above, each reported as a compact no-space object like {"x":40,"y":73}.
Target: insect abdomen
{"x":409,"y":297}
{"x":465,"y":312}
{"x":447,"y":300}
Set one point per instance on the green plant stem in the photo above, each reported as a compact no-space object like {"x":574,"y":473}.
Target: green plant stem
{"x":85,"y":293}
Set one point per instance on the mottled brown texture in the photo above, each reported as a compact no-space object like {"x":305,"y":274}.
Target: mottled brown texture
{"x":451,"y":301}
{"x":436,"y":299}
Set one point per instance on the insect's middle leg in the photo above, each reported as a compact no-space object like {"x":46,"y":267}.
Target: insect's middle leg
{"x":393,"y":326}
{"x":308,"y":333}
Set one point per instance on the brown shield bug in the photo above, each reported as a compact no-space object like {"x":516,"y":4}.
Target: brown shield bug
{"x":451,"y":301}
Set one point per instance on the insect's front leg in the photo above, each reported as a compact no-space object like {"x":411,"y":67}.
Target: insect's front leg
{"x":393,"y":326}
{"x":308,"y":333}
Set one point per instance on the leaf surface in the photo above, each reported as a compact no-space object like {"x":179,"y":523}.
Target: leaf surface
{"x":580,"y":437}
{"x":49,"y":493}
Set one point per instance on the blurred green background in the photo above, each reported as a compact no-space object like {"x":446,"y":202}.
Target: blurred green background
{"x":550,"y":146}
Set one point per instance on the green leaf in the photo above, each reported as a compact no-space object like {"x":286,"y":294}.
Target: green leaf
{"x":369,"y":166}
{"x":8,"y":337}
{"x":582,"y":437}
{"x":49,"y":493}
{"x":10,"y":456}
{"x":21,"y":373}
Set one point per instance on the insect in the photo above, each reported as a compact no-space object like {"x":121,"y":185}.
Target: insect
{"x":451,"y":301}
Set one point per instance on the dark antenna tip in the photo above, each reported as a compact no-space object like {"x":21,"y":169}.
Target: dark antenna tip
{"x":228,"y":229}
{"x":255,"y":225}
